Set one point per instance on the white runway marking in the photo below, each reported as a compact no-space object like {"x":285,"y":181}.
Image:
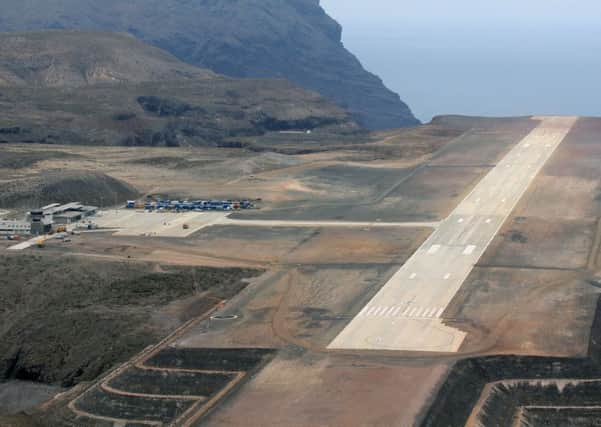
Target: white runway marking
{"x":433,"y":249}
{"x":413,"y":276}
{"x":469,"y":250}
{"x":441,"y":265}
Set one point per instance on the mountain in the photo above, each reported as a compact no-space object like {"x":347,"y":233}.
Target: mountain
{"x":72,"y":58}
{"x":292,"y":39}
{"x":74,"y":87}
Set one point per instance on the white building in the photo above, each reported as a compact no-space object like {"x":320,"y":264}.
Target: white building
{"x":8,"y":228}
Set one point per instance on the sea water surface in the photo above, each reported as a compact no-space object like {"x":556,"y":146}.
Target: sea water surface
{"x":521,"y":62}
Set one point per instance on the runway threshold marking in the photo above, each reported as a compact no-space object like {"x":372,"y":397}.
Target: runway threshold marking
{"x":438,"y":269}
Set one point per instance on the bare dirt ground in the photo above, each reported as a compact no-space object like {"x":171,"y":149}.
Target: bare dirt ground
{"x":332,"y":391}
{"x":534,"y":290}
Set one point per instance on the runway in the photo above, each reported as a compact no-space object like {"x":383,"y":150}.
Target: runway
{"x":408,"y":312}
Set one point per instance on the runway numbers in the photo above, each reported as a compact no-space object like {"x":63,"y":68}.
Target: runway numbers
{"x":398,"y":312}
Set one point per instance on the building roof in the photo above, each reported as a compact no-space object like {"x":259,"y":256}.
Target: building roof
{"x":50,"y":206}
{"x":68,"y":214}
{"x":62,"y":208}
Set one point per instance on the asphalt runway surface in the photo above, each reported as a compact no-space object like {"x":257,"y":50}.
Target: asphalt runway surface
{"x":407,"y":314}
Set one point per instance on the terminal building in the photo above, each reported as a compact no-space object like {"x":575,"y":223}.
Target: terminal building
{"x":9,"y":228}
{"x":69,"y":213}
{"x":43,"y":219}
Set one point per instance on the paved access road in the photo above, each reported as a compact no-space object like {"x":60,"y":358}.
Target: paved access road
{"x":350,"y":224}
{"x":408,"y":312}
{"x":128,"y":222}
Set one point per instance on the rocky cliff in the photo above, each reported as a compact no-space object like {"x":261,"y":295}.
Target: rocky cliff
{"x":294,"y":39}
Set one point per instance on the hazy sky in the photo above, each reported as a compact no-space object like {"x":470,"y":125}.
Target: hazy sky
{"x":504,"y":57}
{"x":462,"y":11}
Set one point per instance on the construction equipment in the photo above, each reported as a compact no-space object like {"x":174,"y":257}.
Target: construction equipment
{"x":61,"y":229}
{"x":41,"y":242}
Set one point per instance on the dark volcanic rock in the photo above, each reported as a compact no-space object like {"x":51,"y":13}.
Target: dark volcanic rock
{"x":294,"y":39}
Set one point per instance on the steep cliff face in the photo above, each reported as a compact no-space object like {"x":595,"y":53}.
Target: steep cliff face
{"x":293,"y":39}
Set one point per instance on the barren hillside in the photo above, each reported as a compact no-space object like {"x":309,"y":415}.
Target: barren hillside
{"x":292,"y":39}
{"x":74,"y":58}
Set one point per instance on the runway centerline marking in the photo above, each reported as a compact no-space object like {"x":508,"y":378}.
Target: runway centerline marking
{"x":438,"y":269}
